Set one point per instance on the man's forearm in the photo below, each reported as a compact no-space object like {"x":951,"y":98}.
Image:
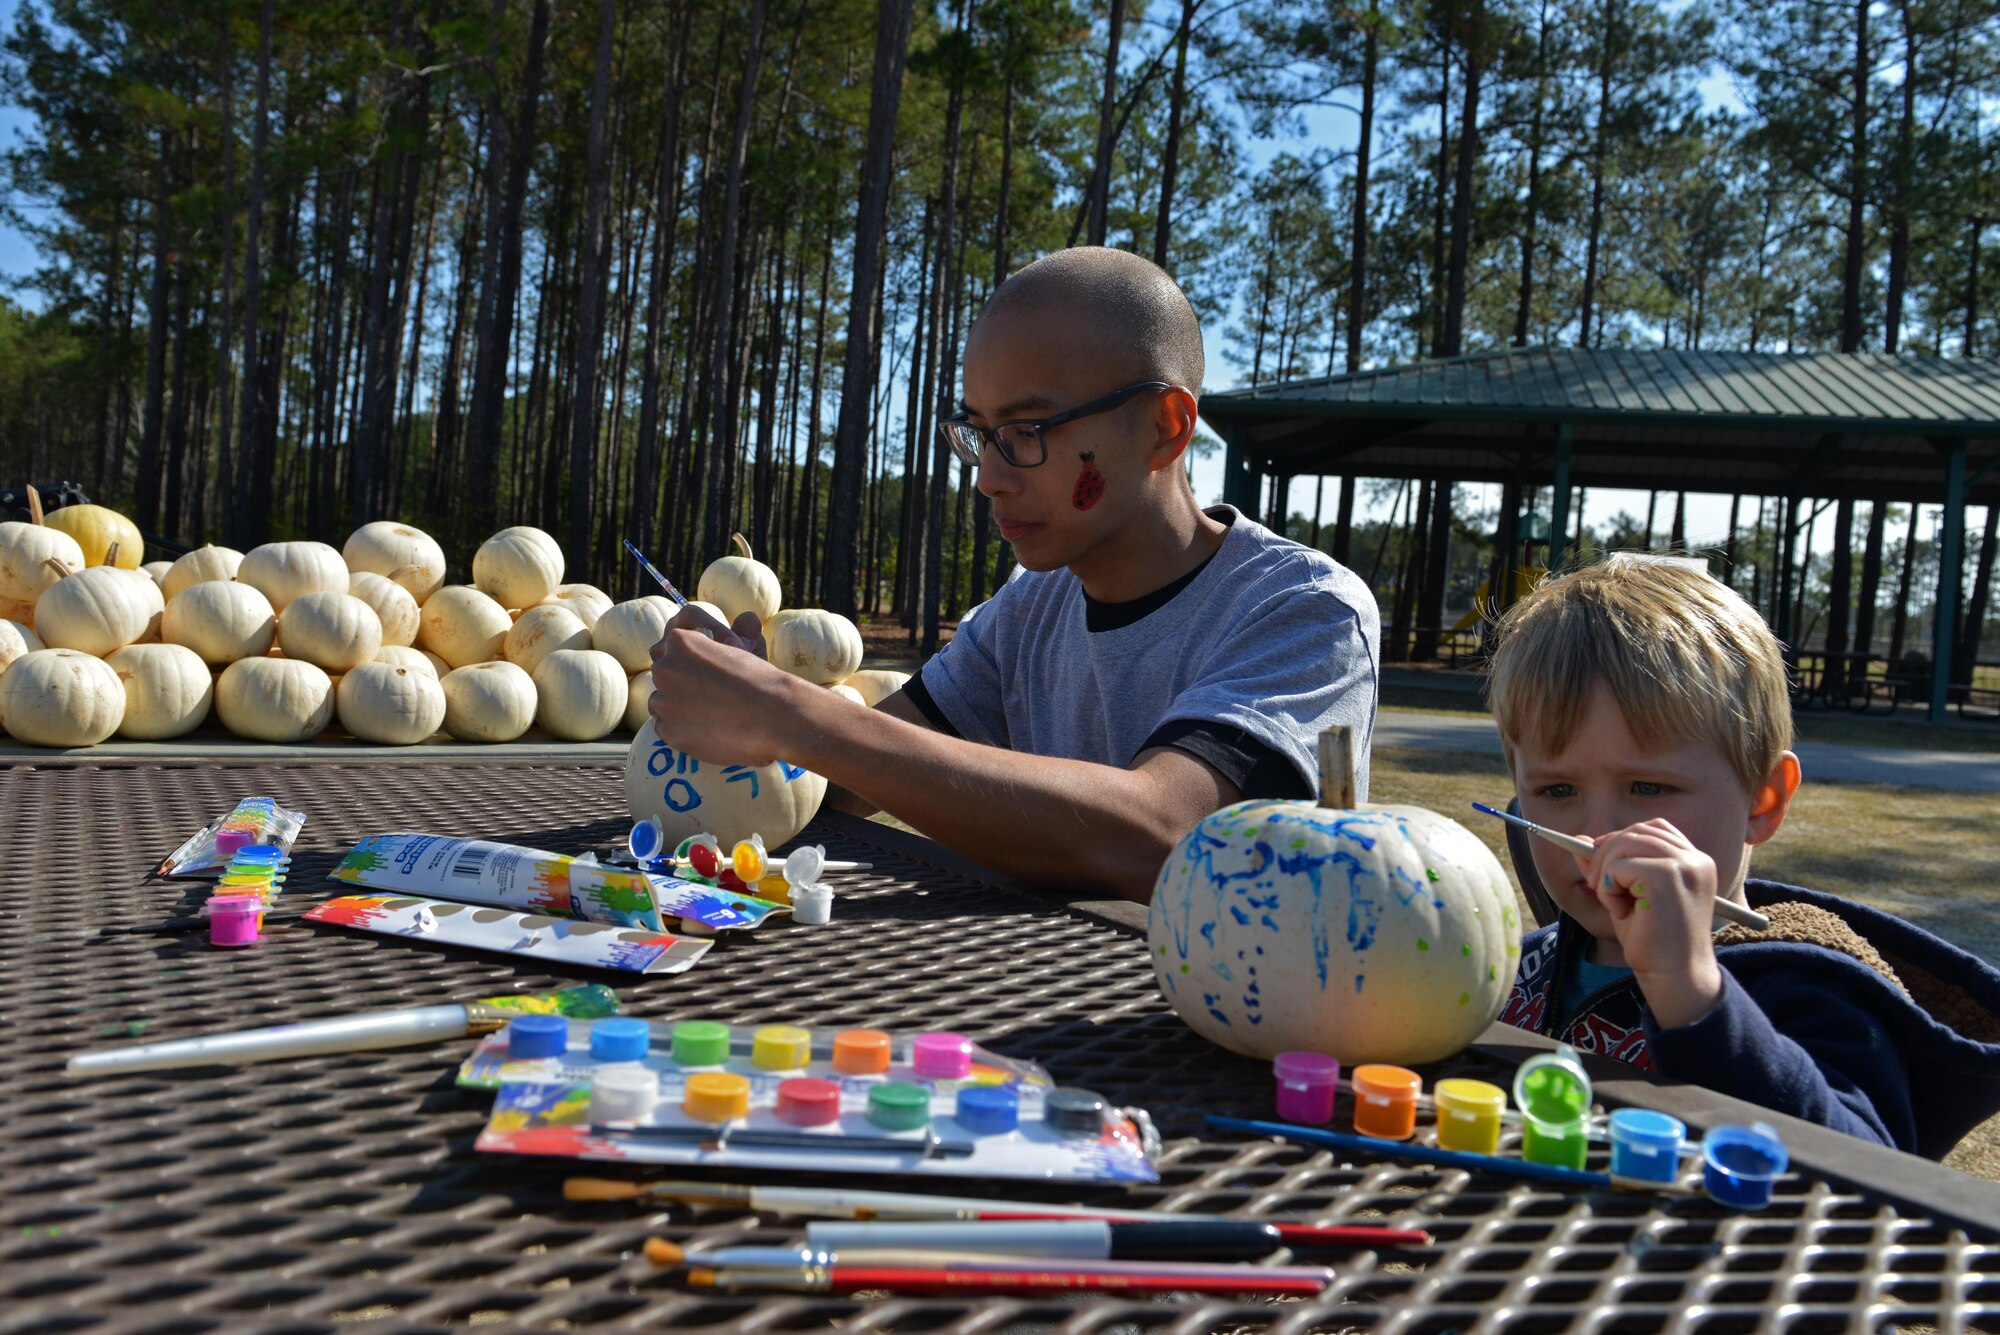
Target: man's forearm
{"x":1053,"y":821}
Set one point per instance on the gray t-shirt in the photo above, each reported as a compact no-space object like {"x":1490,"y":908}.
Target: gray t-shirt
{"x":1270,"y":636}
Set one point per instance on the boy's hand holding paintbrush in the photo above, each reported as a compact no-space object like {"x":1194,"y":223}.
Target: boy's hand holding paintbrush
{"x":1659,"y":890}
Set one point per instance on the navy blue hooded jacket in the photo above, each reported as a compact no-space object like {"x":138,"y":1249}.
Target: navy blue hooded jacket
{"x":1838,"y":1013}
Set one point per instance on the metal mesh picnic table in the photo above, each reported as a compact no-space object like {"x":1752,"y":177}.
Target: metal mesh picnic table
{"x":314,"y":1194}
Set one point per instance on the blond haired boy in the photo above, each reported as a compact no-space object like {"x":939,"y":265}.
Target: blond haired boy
{"x":1644,"y":704}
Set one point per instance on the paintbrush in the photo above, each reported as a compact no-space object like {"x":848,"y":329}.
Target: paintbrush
{"x":1726,"y":909}
{"x":654,"y":571}
{"x":841,"y":1203}
{"x":348,"y":1033}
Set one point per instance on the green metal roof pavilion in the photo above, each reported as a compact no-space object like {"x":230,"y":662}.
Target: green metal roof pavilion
{"x":1792,"y":425}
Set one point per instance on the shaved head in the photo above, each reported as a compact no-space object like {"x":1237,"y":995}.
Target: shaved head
{"x":1138,"y":322}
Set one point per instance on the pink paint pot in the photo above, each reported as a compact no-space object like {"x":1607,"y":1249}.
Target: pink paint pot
{"x":1306,"y":1081}
{"x":233,"y":920}
{"x":941,"y":1056}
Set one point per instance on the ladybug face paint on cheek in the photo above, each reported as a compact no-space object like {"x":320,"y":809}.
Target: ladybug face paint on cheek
{"x":1089,"y":485}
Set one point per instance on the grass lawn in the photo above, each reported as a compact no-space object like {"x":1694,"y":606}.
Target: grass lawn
{"x":1926,"y":855}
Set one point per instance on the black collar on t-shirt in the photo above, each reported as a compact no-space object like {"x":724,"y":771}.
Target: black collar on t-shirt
{"x":1099,"y":616}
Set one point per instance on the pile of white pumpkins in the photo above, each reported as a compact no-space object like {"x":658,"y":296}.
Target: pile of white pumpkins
{"x":282,"y":641}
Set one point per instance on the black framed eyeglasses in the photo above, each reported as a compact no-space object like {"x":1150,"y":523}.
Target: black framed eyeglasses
{"x":1024,"y":442}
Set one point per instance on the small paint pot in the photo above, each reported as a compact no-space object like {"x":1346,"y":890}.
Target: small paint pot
{"x":812,"y":904}
{"x":232,"y":838}
{"x":716,"y":1096}
{"x":532,"y":1037}
{"x":266,"y":854}
{"x":701,"y":1043}
{"x":988,"y":1110}
{"x":625,"y":1093}
{"x":233,"y":919}
{"x":861,"y":1052}
{"x":897,"y":1105}
{"x":941,"y":1056}
{"x":808,"y":1101}
{"x":1074,"y":1114}
{"x":1306,"y":1083}
{"x":1385,"y":1101}
{"x":780,"y":1047}
{"x":1468,"y":1115}
{"x":1740,"y":1164}
{"x":1646,"y":1145}
{"x":1552,"y":1090}
{"x":621,"y":1039}
{"x":647,"y":842}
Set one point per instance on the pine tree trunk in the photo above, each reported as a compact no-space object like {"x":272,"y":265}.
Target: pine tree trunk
{"x":1871,"y":583}
{"x":252,"y":525}
{"x":1364,"y":150}
{"x":1099,"y":196}
{"x":1965,"y":651}
{"x":1461,"y":203}
{"x":1854,"y":260}
{"x":1430,"y":603}
{"x":1170,"y":152}
{"x":1599,"y":151}
{"x":157,"y":319}
{"x":1840,"y":595}
{"x":1532,"y":205}
{"x":850,"y":442}
{"x":1899,"y":621}
{"x":590,"y":295}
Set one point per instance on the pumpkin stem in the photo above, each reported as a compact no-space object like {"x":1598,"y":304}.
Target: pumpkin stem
{"x":34,"y":505}
{"x":62,"y":571}
{"x":742,"y":547}
{"x":396,"y":575}
{"x":111,"y":555}
{"x":1336,"y":768}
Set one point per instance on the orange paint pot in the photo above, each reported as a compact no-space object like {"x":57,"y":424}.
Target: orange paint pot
{"x":1385,"y":1101}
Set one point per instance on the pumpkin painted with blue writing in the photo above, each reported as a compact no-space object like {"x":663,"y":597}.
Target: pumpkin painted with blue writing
{"x":1383,"y":933}
{"x":731,"y":802}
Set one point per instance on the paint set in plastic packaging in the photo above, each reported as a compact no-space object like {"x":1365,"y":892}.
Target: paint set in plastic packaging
{"x":781,"y":1096}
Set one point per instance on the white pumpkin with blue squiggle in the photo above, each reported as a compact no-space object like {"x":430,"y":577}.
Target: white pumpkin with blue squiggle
{"x":1384,"y":933}
{"x":731,"y":802}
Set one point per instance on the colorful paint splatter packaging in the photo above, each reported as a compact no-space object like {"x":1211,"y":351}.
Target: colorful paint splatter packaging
{"x":253,"y":821}
{"x":477,"y":871}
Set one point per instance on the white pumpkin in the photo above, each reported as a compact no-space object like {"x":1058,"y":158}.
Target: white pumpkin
{"x":846,"y":692}
{"x":394,"y":606}
{"x":586,"y":600}
{"x":25,"y":553}
{"x":335,"y":631}
{"x":16,"y":640}
{"x":540,"y":632}
{"x":61,"y":697}
{"x":731,"y":802}
{"x":580,"y":694}
{"x":13,"y":611}
{"x":199,"y":566}
{"x":488,"y":702}
{"x":282,"y":571}
{"x":1383,"y":933}
{"x":399,"y":655}
{"x":518,"y":567}
{"x":390,"y":705}
{"x":822,"y":647}
{"x":461,"y":625}
{"x":629,"y":631}
{"x":97,"y":609}
{"x":157,"y":571}
{"x":168,"y":690}
{"x":739,"y":584}
{"x":221,"y":621}
{"x":274,"y":699}
{"x":639,"y":700}
{"x":875,"y":685}
{"x":406,"y":556}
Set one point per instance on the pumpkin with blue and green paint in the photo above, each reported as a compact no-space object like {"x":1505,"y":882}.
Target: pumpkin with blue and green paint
{"x":732,"y":802}
{"x":1382,"y":933}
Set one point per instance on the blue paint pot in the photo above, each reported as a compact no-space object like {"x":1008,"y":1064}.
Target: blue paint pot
{"x":1646,"y":1145}
{"x":1741,"y":1163}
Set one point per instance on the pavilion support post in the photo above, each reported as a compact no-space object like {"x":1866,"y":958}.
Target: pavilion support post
{"x":1951,"y":557}
{"x":1506,"y":550}
{"x":1788,"y":538}
{"x":1281,"y":504}
{"x":1840,"y":598}
{"x":1239,"y":477}
{"x":1343,"y":524}
{"x":1559,"y":500}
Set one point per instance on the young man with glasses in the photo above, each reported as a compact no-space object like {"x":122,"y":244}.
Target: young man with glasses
{"x":1149,"y":662}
